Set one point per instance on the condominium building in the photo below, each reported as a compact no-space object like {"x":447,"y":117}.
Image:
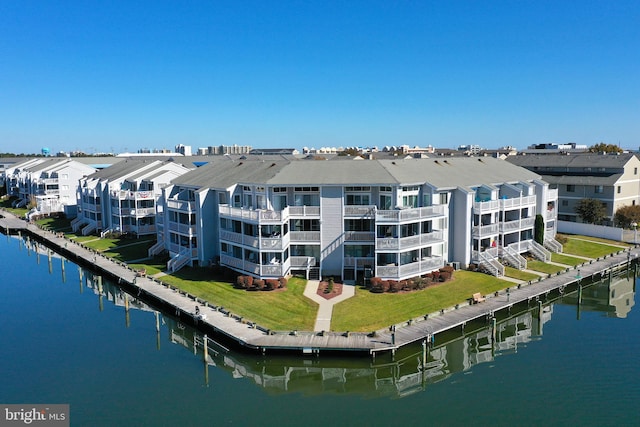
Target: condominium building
{"x":611,"y":178}
{"x":123,"y":196}
{"x":395,"y":219}
{"x":49,"y":183}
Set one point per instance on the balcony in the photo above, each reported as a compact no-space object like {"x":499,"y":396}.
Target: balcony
{"x":359,"y":262}
{"x":410,"y":214}
{"x":391,"y":243}
{"x":552,"y":194}
{"x":132,"y":195}
{"x":359,"y":236}
{"x":175,"y":248}
{"x":261,"y":216}
{"x":264,"y":243}
{"x":551,"y":215}
{"x":186,"y":229}
{"x":302,"y":261}
{"x":277,"y":270}
{"x":181,"y":205}
{"x":142,"y":212}
{"x":520,"y":224}
{"x":485,"y":230}
{"x":359,"y":211}
{"x":423,"y":266}
{"x":305,"y":236}
{"x":305,"y":211}
{"x":512,"y":203}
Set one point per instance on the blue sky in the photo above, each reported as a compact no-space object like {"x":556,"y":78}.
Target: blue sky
{"x":124,"y":75}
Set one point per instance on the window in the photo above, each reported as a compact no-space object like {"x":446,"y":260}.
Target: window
{"x":565,"y":203}
{"x":598,"y":189}
{"x":410,"y":201}
{"x":571,"y":188}
{"x":444,"y":197}
{"x":635,"y":171}
{"x":385,"y":202}
{"x":619,"y":189}
{"x":357,"y":199}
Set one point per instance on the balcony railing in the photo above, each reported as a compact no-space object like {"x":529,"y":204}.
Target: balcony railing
{"x":181,"y":205}
{"x":485,"y":230}
{"x":276,"y":270}
{"x":304,"y":236}
{"x":359,"y":236}
{"x":304,"y":211}
{"x":552,"y":214}
{"x":359,"y":211}
{"x":493,"y":205}
{"x":391,"y":243}
{"x":141,"y":212}
{"x":359,"y":262}
{"x":410,"y":214}
{"x":257,"y":215}
{"x":186,"y":229}
{"x":175,"y":248}
{"x":264,"y":243}
{"x":552,"y":194}
{"x":520,"y":224}
{"x":132,"y":195}
{"x":302,"y":261}
{"x":423,"y":266}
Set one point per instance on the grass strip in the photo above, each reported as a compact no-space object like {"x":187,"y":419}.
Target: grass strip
{"x":519,"y":274}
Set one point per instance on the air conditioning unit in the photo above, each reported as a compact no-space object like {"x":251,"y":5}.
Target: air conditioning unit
{"x":455,"y":265}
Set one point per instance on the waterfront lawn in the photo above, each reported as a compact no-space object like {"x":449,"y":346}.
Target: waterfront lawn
{"x":367,"y":311}
{"x":282,"y":310}
{"x":55,"y":224}
{"x":591,"y":247}
{"x":153,"y":266}
{"x":130,"y":251}
{"x":519,"y":274}
{"x":6,"y":204}
{"x":566,"y":259}
{"x":543,"y":267}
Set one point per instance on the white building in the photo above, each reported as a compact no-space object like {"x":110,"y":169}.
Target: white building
{"x":394,"y":219}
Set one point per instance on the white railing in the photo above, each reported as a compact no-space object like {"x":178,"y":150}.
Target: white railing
{"x":410,"y":213}
{"x":266,"y":243}
{"x":551,"y":214}
{"x":304,"y":236}
{"x":181,"y":259}
{"x":359,"y":236}
{"x":156,"y":248}
{"x":174,"y":248}
{"x":488,"y":261}
{"x":553,"y":245}
{"x":88,"y":229}
{"x":408,"y":242}
{"x":552,"y":194}
{"x":258,"y":215}
{"x":426,"y":265}
{"x":358,"y":262}
{"x":181,"y":205}
{"x":359,"y":211}
{"x":132,"y":195}
{"x":517,"y":202}
{"x":539,"y":251}
{"x":186,"y":229}
{"x":302,"y":261}
{"x":514,"y":258}
{"x":485,"y":206}
{"x":518,"y":224}
{"x":485,"y":230}
{"x":275,"y":270}
{"x":304,"y":210}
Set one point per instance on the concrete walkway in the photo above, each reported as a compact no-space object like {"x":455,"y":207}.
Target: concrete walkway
{"x":325,"y":306}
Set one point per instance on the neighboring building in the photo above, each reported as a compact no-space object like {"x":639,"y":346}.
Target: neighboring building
{"x":49,"y":183}
{"x":274,"y":151}
{"x":553,"y":148}
{"x":611,"y":178}
{"x":123,"y":197}
{"x":185,"y":150}
{"x":393,"y":219}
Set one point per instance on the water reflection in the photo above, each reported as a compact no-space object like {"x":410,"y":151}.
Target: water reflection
{"x":413,"y":368}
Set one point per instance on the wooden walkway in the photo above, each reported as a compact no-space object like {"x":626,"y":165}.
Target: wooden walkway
{"x":217,"y":320}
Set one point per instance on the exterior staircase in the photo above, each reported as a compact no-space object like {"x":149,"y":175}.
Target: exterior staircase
{"x":156,"y":248}
{"x":513,"y":258}
{"x":539,"y":251}
{"x":553,"y":245}
{"x":491,"y":264}
{"x":88,"y":229}
{"x":179,"y":260}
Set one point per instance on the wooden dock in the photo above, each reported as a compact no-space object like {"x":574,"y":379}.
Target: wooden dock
{"x":211,"y":319}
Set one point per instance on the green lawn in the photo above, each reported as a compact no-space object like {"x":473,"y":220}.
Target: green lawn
{"x":543,"y":267}
{"x":519,"y":274}
{"x":566,"y":259}
{"x":285,"y":309}
{"x":6,"y":203}
{"x":591,"y":249}
{"x":368,"y":311}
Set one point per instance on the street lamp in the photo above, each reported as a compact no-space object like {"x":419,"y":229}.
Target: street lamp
{"x":635,"y":232}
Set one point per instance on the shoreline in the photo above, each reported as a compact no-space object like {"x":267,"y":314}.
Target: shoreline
{"x":217,"y":320}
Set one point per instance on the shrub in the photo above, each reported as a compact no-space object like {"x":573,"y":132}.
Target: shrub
{"x":445,"y":276}
{"x":436,"y":276}
{"x":248,"y":282}
{"x":562,"y":239}
{"x":259,"y":285}
{"x":239,"y":282}
{"x":272,"y":283}
{"x":282,"y":282}
{"x":472,"y":267}
{"x":446,"y":269}
{"x":394,"y":286}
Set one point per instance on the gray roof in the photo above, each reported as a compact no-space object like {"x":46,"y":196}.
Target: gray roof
{"x":439,"y":172}
{"x":582,"y":179}
{"x":575,"y":160}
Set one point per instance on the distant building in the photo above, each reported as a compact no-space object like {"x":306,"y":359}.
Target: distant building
{"x":611,"y":178}
{"x":271,"y":151}
{"x":185,"y":150}
{"x":553,"y":148}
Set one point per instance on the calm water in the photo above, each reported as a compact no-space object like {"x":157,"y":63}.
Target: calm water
{"x":63,"y":341}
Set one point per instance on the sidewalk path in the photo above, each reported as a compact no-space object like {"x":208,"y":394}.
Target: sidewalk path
{"x":325,"y":306}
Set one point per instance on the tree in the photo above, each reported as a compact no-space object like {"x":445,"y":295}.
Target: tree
{"x":538,"y":229}
{"x":605,"y":148}
{"x":591,"y":211}
{"x":627,"y":215}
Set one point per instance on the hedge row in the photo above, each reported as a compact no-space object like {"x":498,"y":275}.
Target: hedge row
{"x":250,"y":283}
{"x":379,"y":286}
